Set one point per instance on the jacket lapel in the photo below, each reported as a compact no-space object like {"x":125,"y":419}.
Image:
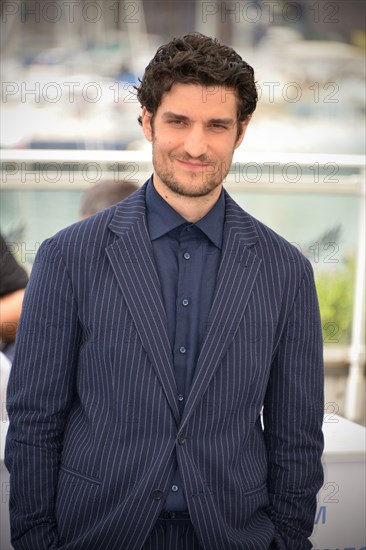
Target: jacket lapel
{"x":131,"y":257}
{"x":237,"y":273}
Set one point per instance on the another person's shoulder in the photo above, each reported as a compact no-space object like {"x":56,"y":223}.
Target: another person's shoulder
{"x":12,"y":275}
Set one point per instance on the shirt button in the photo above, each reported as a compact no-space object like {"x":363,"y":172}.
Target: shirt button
{"x":186,"y":255}
{"x":180,"y":397}
{"x":157,"y":494}
{"x":182,"y":439}
{"x":174,"y":488}
{"x":185,"y":302}
{"x":182,"y":349}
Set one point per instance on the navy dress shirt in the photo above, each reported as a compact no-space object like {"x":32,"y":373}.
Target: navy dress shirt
{"x":187,"y":257}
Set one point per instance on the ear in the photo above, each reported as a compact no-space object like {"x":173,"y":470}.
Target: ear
{"x":146,"y":123}
{"x":244,"y":124}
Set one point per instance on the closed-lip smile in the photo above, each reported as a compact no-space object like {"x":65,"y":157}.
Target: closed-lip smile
{"x":193,"y":164}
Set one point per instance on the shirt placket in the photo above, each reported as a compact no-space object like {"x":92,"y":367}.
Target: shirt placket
{"x":182,"y":347}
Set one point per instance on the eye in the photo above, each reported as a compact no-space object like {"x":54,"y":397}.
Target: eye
{"x":217,"y":127}
{"x":177,"y":123}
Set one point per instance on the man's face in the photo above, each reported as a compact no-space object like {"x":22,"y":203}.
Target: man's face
{"x":194,"y":134}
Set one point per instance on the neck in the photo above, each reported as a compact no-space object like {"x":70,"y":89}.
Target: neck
{"x":191,"y":209}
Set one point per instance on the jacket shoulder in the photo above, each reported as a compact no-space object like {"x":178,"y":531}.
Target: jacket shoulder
{"x":95,"y":230}
{"x":269,"y":245}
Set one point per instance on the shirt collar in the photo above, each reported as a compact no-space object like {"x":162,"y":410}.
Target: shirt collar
{"x":162,"y":218}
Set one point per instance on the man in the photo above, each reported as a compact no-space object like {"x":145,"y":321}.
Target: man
{"x":153,"y":334}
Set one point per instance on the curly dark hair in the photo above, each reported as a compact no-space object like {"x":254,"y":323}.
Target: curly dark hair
{"x":197,"y":59}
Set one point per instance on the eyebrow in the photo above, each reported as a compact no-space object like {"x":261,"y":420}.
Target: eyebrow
{"x":183,"y":118}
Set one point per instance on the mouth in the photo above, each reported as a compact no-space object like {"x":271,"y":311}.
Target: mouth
{"x":193,"y":165}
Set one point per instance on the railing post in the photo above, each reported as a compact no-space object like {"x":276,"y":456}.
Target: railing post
{"x":355,"y":383}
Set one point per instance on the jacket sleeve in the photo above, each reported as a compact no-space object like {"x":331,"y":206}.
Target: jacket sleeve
{"x":293,"y":416}
{"x":40,"y":393}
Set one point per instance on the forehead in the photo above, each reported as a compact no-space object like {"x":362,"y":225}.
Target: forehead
{"x":195,"y":101}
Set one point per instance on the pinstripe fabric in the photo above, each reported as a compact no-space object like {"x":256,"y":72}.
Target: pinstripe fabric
{"x":92,"y":400}
{"x":172,"y":535}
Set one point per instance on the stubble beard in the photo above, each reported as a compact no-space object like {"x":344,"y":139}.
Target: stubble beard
{"x":201,"y":184}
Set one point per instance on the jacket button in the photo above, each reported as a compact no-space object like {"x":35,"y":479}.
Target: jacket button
{"x":157,"y":494}
{"x":182,"y":439}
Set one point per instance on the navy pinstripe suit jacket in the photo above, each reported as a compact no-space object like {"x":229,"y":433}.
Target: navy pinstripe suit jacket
{"x":94,"y":422}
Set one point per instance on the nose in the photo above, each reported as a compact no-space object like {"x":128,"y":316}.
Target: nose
{"x":195,"y":143}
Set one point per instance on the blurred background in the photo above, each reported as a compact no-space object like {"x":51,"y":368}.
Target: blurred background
{"x":69,"y":121}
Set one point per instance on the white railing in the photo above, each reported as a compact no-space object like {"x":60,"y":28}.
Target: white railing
{"x":62,"y":169}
